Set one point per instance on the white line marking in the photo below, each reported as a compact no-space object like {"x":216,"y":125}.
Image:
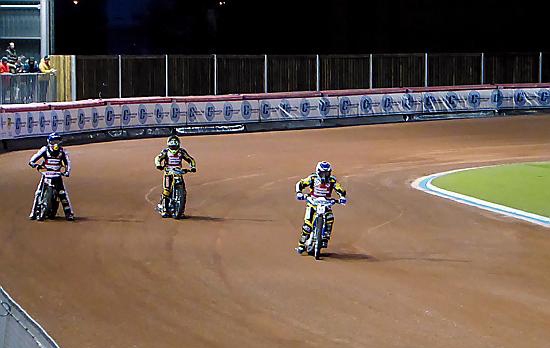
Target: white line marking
{"x":425,"y":184}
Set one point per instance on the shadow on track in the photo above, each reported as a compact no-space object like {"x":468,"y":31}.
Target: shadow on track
{"x":100,"y":219}
{"x":349,"y":257}
{"x":221,"y":219}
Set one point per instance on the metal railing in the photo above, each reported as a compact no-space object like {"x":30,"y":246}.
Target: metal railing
{"x":27,"y":88}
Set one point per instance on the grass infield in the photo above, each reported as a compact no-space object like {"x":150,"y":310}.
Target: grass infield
{"x":521,"y":186}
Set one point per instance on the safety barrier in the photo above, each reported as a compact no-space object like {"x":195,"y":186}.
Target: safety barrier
{"x":34,"y":120}
{"x":27,"y":88}
{"x":18,"y":329}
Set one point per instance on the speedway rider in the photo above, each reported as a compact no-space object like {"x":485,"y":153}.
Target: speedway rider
{"x":171,"y":157}
{"x":321,"y":184}
{"x":54,"y":159}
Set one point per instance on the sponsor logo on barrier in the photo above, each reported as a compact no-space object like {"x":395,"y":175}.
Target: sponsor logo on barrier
{"x":387,"y":103}
{"x":175,"y":113}
{"x":159,"y":113}
{"x":544,"y":97}
{"x":142,"y":114}
{"x":109,"y":116}
{"x":81,"y":119}
{"x":305,"y":107}
{"x":17,"y":124}
{"x":42,"y":122}
{"x":192,"y":113}
{"x":407,"y":102}
{"x":366,"y":104}
{"x":227,"y":111}
{"x":520,"y":98}
{"x":95,"y":118}
{"x":324,"y":106}
{"x":126,"y":115}
{"x":474,"y":99}
{"x":246,"y":110}
{"x":452,"y":100}
{"x":345,"y":105}
{"x":497,"y":98}
{"x":30,"y":123}
{"x":429,"y":102}
{"x":284,"y":108}
{"x":55,"y":121}
{"x":210,"y":112}
{"x":67,"y":121}
{"x":265,"y":109}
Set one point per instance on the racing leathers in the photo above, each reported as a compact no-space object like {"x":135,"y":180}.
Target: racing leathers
{"x":318,"y":188}
{"x":166,"y":160}
{"x":53,"y":162}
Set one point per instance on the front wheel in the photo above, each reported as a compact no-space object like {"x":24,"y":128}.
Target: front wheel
{"x":179,"y":200}
{"x":46,"y":203}
{"x":318,"y":238}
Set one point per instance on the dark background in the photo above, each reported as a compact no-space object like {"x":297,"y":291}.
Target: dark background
{"x":298,"y":27}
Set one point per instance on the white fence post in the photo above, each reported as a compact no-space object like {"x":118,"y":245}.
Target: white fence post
{"x":119,"y":76}
{"x":425,"y":69}
{"x":265,"y":73}
{"x":370,"y":71}
{"x":318,"y":73}
{"x":482,"y":68}
{"x":166,"y":71}
{"x":215,"y":74}
{"x":73,"y":78}
{"x":540,"y":67}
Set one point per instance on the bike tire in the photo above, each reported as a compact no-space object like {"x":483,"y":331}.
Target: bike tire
{"x":54,"y":209}
{"x":180,"y":202}
{"x":318,"y":238}
{"x":45,"y":203}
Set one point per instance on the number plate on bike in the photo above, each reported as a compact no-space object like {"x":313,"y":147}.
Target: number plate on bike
{"x":321,"y":209}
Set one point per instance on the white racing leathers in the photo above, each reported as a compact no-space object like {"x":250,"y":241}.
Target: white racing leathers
{"x":53,"y":162}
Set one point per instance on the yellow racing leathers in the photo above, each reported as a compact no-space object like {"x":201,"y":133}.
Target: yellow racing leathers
{"x":171,"y":159}
{"x":318,"y":188}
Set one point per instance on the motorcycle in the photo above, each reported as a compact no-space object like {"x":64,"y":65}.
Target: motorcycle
{"x":314,"y":243}
{"x":178,"y":196}
{"x":48,"y":202}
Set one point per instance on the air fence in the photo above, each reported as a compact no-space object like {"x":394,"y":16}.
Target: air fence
{"x":180,"y":75}
{"x":266,"y":110}
{"x":18,"y":329}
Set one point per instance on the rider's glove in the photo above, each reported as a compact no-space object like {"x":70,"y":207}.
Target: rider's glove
{"x":193,"y":170}
{"x":343,"y":200}
{"x":300,"y":196}
{"x":33,"y":165}
{"x":160,"y":167}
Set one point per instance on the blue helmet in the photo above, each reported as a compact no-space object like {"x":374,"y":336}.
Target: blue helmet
{"x":54,"y":141}
{"x":324,"y":171}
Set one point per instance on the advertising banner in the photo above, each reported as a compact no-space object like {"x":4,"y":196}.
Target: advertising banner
{"x":222,"y":112}
{"x":298,"y":108}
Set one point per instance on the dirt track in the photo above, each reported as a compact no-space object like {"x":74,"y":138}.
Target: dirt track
{"x":405,"y":269}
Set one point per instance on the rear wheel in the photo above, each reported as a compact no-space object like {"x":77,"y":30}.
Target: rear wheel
{"x":54,"y":209}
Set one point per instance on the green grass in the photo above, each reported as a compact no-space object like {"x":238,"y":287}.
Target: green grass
{"x":521,"y":186}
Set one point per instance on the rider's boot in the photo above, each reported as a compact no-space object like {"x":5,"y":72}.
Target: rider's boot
{"x":301,"y":244}
{"x":69,"y":217}
{"x":164,"y":212}
{"x":32,"y":215}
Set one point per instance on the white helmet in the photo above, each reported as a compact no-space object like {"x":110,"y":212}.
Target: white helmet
{"x":324,"y":171}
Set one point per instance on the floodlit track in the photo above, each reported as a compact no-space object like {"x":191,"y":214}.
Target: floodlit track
{"x":404,"y":269}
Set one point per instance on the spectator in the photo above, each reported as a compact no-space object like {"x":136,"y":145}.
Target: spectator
{"x":45,"y":66}
{"x":4,"y":67}
{"x":11,"y":54}
{"x":31,"y":67}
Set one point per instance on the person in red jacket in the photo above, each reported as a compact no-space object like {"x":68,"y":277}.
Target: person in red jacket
{"x":4,"y":67}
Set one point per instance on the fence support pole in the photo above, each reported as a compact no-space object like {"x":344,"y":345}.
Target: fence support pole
{"x":73,"y":78}
{"x":265,"y":73}
{"x":370,"y":71}
{"x":482,"y":68}
{"x":166,"y":74}
{"x":215,"y":74}
{"x":425,"y":69}
{"x":318,"y":74}
{"x":119,"y":76}
{"x":540,"y":67}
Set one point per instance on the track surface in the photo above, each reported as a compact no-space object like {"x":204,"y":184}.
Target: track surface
{"x":405,"y":269}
